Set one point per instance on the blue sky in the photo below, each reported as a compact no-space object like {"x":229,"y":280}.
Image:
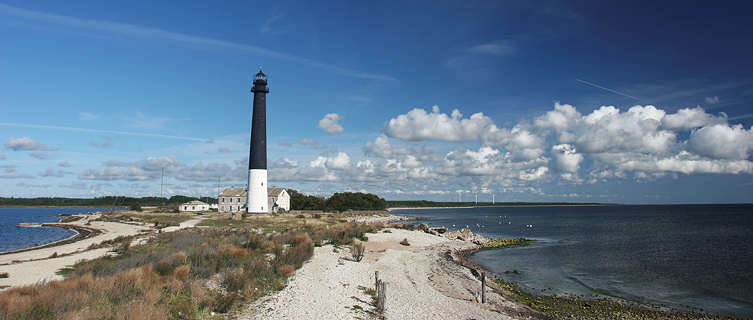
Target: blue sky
{"x":627,"y":102}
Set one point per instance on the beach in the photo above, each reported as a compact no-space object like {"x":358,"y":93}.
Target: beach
{"x":422,"y":283}
{"x":29,"y":266}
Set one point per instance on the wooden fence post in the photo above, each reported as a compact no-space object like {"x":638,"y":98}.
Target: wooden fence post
{"x":483,"y":287}
{"x":376,"y":282}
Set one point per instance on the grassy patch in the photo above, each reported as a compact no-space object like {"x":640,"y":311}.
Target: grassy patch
{"x":160,"y":220}
{"x":64,"y":272}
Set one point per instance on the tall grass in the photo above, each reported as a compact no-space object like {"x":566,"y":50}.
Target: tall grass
{"x":166,"y":278}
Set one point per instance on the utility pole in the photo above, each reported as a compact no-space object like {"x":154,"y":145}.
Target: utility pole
{"x":477,"y":199}
{"x":492,"y":198}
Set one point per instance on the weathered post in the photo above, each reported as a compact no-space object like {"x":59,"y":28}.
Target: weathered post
{"x":483,"y":287}
{"x":383,"y":291}
{"x":376,"y":282}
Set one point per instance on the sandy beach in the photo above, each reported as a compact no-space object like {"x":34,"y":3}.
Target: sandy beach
{"x":422,"y":283}
{"x":32,"y":266}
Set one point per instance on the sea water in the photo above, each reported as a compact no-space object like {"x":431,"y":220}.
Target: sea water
{"x":14,"y":238}
{"x":680,"y":256}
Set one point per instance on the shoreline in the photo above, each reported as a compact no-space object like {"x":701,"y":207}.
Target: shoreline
{"x":81,"y":233}
{"x":502,"y":206}
{"x":605,"y":306}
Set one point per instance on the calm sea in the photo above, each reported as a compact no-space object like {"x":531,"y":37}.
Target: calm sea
{"x":681,"y":256}
{"x":13,"y":238}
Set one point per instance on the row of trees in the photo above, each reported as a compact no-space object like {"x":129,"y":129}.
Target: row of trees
{"x":340,"y":201}
{"x":109,"y":201}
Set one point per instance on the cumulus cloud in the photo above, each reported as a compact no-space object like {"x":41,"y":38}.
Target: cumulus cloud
{"x":566,"y":158}
{"x":691,"y":118}
{"x":330,"y":124}
{"x":339,"y":161}
{"x":26,"y":144}
{"x":419,"y":125}
{"x":721,"y":141}
{"x":65,"y":164}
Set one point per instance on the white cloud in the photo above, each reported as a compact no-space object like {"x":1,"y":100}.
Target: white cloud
{"x":691,"y":118}
{"x":340,"y":161}
{"x":566,"y":158}
{"x":65,"y":164}
{"x":712,"y":100}
{"x":330,"y":124}
{"x":26,"y":144}
{"x":419,"y":125}
{"x":721,"y":141}
{"x":608,"y":130}
{"x":223,"y":150}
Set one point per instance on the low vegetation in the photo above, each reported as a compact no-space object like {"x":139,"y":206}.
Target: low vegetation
{"x":4,"y":275}
{"x":187,"y":274}
{"x":357,"y":249}
{"x":405,"y":242}
{"x":498,"y":243}
{"x":159,"y":220}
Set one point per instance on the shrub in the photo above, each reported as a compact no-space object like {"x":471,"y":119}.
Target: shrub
{"x":357,"y":250}
{"x":405,"y":242}
{"x":300,"y":216}
{"x":135,"y":207}
{"x":285,"y":270}
{"x":182,"y":272}
{"x":4,"y":275}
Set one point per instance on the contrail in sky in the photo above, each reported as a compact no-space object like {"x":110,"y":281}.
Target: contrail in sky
{"x":605,"y":88}
{"x":126,"y":133}
{"x":155,"y":33}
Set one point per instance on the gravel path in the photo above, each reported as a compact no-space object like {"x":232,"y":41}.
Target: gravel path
{"x":421,"y":284}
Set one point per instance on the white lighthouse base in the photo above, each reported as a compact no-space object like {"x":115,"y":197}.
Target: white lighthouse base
{"x":257,"y":191}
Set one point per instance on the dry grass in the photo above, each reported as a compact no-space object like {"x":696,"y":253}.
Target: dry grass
{"x":357,"y":249}
{"x":285,"y":270}
{"x":164,"y":278}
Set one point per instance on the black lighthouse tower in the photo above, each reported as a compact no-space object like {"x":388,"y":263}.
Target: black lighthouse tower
{"x":257,"y":160}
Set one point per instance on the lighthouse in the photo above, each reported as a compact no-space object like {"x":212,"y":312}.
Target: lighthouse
{"x":257,"y":160}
